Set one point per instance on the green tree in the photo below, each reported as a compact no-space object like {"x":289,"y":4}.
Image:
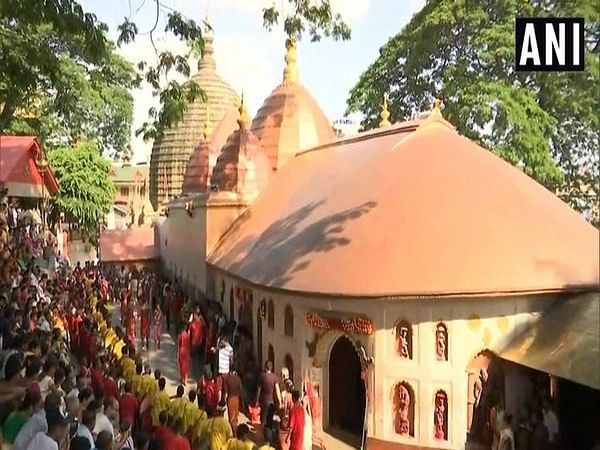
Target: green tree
{"x":463,"y":52}
{"x":86,"y":190}
{"x":60,"y":77}
{"x":55,"y":58}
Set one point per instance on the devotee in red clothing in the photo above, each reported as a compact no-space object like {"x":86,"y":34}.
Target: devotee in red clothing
{"x":131,"y":326}
{"x":97,"y":377}
{"x":183,"y":355}
{"x":163,"y":433}
{"x":111,"y":389}
{"x":157,"y":325}
{"x":144,"y":323}
{"x":196,"y":340}
{"x":128,"y":406}
{"x":296,"y":436}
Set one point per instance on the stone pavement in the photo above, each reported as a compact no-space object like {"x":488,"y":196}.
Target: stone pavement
{"x":165,"y":360}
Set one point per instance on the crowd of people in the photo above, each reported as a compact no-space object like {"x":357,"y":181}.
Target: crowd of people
{"x":74,"y":375}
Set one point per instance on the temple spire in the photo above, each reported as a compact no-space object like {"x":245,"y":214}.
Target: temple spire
{"x":208,"y":58}
{"x":244,"y":119}
{"x":208,"y":128}
{"x":385,"y":114}
{"x":290,"y":73}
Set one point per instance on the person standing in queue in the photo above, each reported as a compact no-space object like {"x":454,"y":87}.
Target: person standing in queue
{"x":183,"y":355}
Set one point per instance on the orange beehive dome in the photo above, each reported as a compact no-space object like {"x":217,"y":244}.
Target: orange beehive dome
{"x":290,"y":119}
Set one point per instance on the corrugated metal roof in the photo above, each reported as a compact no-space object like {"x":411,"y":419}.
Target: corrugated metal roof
{"x":564,"y":342}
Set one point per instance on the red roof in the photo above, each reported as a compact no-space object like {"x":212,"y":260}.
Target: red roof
{"x":18,"y":169}
{"x":135,"y":244}
{"x":406,"y":211}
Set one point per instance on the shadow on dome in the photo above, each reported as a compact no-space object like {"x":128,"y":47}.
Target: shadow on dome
{"x":323,"y":235}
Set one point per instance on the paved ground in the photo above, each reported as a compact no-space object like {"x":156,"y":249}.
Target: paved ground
{"x":165,"y":360}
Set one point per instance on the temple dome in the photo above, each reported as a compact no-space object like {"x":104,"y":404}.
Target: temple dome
{"x":242,"y":166}
{"x":290,"y":119}
{"x":202,"y":160}
{"x":171,"y":153}
{"x":410,"y":210}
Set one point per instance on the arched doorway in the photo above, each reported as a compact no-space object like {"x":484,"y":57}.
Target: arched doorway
{"x":346,"y":388}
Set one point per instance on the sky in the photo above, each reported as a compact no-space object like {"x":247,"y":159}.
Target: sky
{"x":249,"y":57}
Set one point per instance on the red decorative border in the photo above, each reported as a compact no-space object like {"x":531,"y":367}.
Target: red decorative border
{"x":357,"y":325}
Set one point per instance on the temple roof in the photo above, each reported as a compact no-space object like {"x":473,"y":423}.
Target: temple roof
{"x":290,"y":119}
{"x":414,"y":209}
{"x":242,"y":166}
{"x":171,"y":154}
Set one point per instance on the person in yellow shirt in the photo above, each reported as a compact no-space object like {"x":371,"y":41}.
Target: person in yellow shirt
{"x":219,"y":429}
{"x":149,"y":384}
{"x":199,"y":431}
{"x":242,"y":441}
{"x":177,"y":406}
{"x":161,"y":402}
{"x":191,"y":414}
{"x":136,"y":381}
{"x":117,"y":348}
{"x":128,"y":366}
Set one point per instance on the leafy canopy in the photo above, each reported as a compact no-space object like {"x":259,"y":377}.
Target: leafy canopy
{"x":463,"y":52}
{"x":56,"y":61}
{"x":60,"y":77}
{"x":86,"y":189}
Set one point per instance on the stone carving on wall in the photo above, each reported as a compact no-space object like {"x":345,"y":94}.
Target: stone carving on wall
{"x":440,"y":417}
{"x":404,"y":339}
{"x":404,"y":409}
{"x":441,"y":342}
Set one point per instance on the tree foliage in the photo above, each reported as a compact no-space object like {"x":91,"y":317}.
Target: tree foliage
{"x":56,"y":59}
{"x":60,"y":77}
{"x":463,"y":52}
{"x":86,"y":189}
{"x":313,"y":17}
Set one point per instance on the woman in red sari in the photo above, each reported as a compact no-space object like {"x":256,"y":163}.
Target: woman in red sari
{"x":130,"y":324}
{"x":144,"y":323}
{"x":157,"y":325}
{"x":124,"y":302}
{"x":183,"y":355}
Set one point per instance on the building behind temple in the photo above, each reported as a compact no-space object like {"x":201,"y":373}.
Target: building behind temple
{"x":417,"y":269}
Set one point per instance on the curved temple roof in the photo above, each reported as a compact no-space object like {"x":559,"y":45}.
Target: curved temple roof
{"x":415,"y":209}
{"x":170,"y":155}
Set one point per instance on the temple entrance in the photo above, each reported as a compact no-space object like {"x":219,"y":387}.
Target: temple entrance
{"x":346,"y":389}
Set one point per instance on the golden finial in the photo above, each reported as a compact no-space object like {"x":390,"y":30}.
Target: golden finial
{"x":207,"y":130}
{"x":385,"y":114}
{"x":290,"y":73}
{"x":244,"y":120}
{"x":435,"y":116}
{"x":436,"y":110}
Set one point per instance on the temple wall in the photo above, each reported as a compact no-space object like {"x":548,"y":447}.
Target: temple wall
{"x":497,"y":320}
{"x":182,"y":246}
{"x":186,"y":239}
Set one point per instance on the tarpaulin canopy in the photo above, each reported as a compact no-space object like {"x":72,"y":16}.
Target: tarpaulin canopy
{"x":19,"y":172}
{"x":564,"y":342}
